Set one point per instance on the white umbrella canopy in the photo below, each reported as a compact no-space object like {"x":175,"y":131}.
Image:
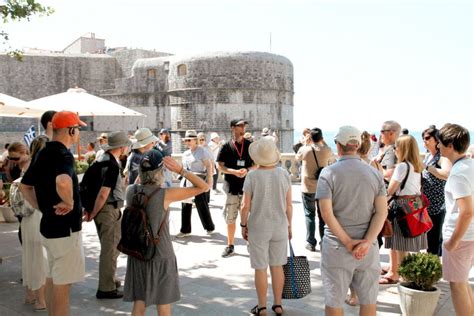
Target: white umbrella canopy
{"x":84,"y":104}
{"x":13,"y":107}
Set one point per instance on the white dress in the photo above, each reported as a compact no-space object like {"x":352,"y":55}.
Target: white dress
{"x":35,"y":260}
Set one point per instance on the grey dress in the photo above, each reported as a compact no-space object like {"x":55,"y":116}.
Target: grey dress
{"x":156,"y":282}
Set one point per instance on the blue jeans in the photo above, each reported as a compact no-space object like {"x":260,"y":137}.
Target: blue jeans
{"x":309,"y":206}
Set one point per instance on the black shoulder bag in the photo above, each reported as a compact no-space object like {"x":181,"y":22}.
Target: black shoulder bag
{"x":318,"y":169}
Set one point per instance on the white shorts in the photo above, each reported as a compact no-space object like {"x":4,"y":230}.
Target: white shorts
{"x":268,"y":248}
{"x":65,"y":258}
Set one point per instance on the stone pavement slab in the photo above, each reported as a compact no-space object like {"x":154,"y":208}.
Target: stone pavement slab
{"x":210,"y":284}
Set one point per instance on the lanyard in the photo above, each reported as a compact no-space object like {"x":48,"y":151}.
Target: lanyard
{"x":240,"y":153}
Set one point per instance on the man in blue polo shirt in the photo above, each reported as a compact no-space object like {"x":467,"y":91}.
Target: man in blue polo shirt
{"x":50,"y":185}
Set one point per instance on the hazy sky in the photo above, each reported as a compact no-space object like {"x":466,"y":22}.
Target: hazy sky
{"x":355,"y":62}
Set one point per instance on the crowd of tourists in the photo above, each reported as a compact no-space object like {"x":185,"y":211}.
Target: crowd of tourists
{"x":353,"y":193}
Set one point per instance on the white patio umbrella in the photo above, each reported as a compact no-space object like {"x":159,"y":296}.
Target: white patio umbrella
{"x":84,"y":104}
{"x":13,"y":107}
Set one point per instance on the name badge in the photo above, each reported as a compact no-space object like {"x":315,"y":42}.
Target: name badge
{"x":241,"y":163}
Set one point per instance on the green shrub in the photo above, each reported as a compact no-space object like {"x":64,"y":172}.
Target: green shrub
{"x":80,"y":166}
{"x":420,"y":271}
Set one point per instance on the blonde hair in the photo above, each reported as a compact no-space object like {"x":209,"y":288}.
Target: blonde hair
{"x":408,"y":151}
{"x":151,"y":177}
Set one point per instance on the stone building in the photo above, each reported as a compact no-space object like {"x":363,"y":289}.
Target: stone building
{"x":202,"y":92}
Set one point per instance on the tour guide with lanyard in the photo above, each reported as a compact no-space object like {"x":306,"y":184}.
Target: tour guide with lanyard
{"x":240,"y":161}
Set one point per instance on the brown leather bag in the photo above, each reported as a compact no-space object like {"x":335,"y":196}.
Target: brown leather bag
{"x":387,"y":229}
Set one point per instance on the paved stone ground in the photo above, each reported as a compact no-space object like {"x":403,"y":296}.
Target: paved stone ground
{"x":210,"y":284}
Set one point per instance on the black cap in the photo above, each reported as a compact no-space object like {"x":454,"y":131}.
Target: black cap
{"x":152,"y":160}
{"x":237,"y":121}
{"x":164,"y":131}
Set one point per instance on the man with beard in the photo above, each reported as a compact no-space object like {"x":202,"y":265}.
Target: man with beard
{"x":234,"y":162}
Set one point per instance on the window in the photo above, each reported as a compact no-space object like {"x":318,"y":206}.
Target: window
{"x":287,"y":123}
{"x":151,"y":73}
{"x":178,"y":124}
{"x":182,"y":70}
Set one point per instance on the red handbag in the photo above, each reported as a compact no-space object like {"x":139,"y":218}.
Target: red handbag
{"x":416,"y":220}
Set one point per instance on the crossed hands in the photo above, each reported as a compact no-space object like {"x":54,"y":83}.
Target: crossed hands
{"x":358,"y":247}
{"x":240,"y":172}
{"x":62,"y":208}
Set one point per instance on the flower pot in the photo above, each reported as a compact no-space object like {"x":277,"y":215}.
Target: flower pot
{"x":416,"y":302}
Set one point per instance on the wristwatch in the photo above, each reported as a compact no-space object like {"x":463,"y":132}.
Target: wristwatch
{"x":243,"y":226}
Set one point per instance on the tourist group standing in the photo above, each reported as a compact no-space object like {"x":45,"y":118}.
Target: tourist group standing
{"x":349,"y":193}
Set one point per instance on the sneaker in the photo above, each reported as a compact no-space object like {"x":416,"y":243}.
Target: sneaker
{"x":217,"y":191}
{"x":109,"y":294}
{"x":310,"y":247}
{"x":228,"y":251}
{"x":181,"y":235}
{"x":210,"y":232}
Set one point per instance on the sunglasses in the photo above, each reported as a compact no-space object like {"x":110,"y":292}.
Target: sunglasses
{"x":385,"y":131}
{"x":13,"y":158}
{"x":187,"y":140}
{"x":427,"y":137}
{"x":201,"y":140}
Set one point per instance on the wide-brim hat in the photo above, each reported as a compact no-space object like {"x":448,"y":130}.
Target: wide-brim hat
{"x":117,"y":140}
{"x":143,"y":137}
{"x":264,"y":152}
{"x":190,"y":134}
{"x":214,"y":135}
{"x":102,"y":136}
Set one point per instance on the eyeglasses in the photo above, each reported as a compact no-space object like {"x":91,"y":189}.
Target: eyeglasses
{"x":385,"y":131}
{"x":427,"y":137}
{"x":13,"y":158}
{"x":77,"y":126}
{"x":202,"y":140}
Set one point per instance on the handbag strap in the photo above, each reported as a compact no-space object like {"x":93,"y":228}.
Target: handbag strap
{"x":292,"y":270}
{"x":156,"y":240}
{"x":314,"y":154}
{"x":402,"y":185}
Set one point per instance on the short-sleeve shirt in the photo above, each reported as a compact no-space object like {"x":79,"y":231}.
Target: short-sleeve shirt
{"x":308,"y":168}
{"x":113,"y":179}
{"x":229,"y":155}
{"x":194,"y":160}
{"x":165,"y":148}
{"x":433,"y":187}
{"x":54,"y":160}
{"x":413,"y":184}
{"x":352,"y":186}
{"x":460,"y":184}
{"x":267,"y":189}
{"x":389,"y":159}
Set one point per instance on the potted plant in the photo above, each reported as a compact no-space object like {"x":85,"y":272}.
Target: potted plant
{"x":418,"y":295}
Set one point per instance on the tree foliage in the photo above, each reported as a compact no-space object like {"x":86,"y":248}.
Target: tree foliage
{"x":17,"y":10}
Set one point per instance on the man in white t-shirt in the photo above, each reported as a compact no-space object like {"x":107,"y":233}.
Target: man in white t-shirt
{"x":458,"y":228}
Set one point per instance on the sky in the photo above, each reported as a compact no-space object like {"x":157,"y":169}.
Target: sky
{"x":355,"y":62}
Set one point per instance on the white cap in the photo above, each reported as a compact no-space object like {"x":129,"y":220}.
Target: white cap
{"x":348,"y":134}
{"x":214,"y":135}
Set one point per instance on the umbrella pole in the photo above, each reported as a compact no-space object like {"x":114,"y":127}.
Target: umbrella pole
{"x":79,"y":145}
{"x":39,"y":126}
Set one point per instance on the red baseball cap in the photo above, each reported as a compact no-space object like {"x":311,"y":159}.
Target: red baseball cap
{"x":65,"y":119}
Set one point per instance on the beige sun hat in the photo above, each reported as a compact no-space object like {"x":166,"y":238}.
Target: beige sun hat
{"x":143,"y":137}
{"x":264,"y":152}
{"x":190,"y":134}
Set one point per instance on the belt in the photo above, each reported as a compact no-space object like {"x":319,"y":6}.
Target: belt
{"x":115,"y":204}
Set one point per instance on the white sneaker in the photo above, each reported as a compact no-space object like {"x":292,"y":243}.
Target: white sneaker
{"x":217,"y":191}
{"x":210,"y":232}
{"x":181,"y":235}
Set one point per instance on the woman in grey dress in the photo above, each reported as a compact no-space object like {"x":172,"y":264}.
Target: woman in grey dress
{"x":156,"y":282}
{"x":266,"y":221}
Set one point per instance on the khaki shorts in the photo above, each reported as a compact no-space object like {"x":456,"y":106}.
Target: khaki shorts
{"x":232,"y":207}
{"x":339,"y":270}
{"x":268,"y":248}
{"x":458,"y":263}
{"x":65,"y":258}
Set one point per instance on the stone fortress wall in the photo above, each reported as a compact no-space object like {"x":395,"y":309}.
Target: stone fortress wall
{"x":202,"y":92}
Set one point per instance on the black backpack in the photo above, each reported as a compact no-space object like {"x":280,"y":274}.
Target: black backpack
{"x":137,"y":238}
{"x":91,"y":183}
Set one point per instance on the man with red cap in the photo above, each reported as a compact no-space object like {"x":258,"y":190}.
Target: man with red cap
{"x":50,"y":185}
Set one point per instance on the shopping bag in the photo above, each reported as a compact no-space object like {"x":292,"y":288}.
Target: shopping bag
{"x":297,"y":277}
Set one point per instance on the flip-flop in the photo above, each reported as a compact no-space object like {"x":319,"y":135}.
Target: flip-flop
{"x":40,"y":309}
{"x":351,"y":302}
{"x":384,"y":271}
{"x":387,"y":281}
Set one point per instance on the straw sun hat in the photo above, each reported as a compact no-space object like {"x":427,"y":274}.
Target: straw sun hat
{"x":264,"y":152}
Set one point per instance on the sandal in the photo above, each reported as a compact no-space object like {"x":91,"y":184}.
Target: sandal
{"x":256,"y":310}
{"x":274,"y":307}
{"x":387,"y":281}
{"x":384,"y":271}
